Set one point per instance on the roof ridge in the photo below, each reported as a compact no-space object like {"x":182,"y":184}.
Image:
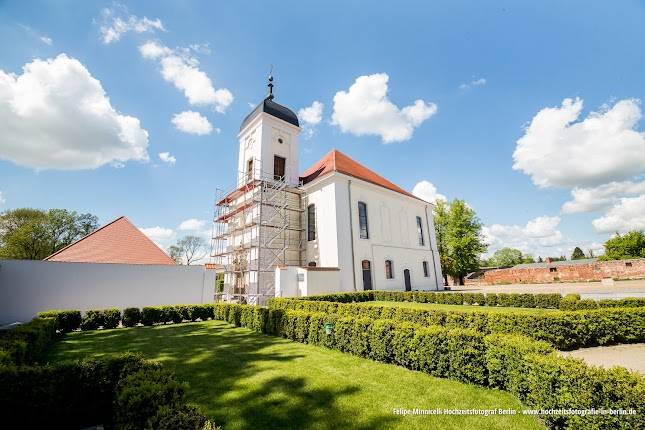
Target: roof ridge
{"x":86,"y":236}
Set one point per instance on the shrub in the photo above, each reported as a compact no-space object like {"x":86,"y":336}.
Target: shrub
{"x":27,"y":342}
{"x":547,"y":301}
{"x":151,"y":315}
{"x":92,"y":320}
{"x":131,"y":317}
{"x":66,"y":320}
{"x":111,"y":318}
{"x":569,"y":302}
{"x":491,"y":299}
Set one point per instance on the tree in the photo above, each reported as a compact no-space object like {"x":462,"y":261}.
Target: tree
{"x":507,"y":257}
{"x":34,"y":234}
{"x":459,"y":237}
{"x":441,"y":222}
{"x":188,"y":250}
{"x":629,"y":245}
{"x":577,"y":254}
{"x":528,"y":258}
{"x":539,"y":260}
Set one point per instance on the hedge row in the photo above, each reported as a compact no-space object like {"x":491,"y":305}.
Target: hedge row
{"x":124,"y":392}
{"x":27,"y":342}
{"x":70,"y":320}
{"x":527,"y":368}
{"x":564,"y":330}
{"x":517,"y":300}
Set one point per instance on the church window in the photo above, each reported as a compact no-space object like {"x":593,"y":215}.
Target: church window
{"x":362,"y":220}
{"x":278,"y":167}
{"x":425,"y":269}
{"x":249,"y":170}
{"x":311,"y":222}
{"x":420,"y":231}
{"x":389,"y":273}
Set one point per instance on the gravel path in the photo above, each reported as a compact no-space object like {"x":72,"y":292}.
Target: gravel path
{"x":629,"y":356}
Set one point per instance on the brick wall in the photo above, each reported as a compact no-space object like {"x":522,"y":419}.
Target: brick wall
{"x":593,"y":271}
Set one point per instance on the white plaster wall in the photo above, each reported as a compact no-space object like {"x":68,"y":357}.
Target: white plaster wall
{"x":319,"y":281}
{"x":28,"y":287}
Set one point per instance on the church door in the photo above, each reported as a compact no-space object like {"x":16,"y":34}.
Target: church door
{"x":367,"y":275}
{"x":406,"y":277}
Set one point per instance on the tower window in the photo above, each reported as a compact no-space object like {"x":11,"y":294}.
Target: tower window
{"x":420,"y":231}
{"x":311,"y":222}
{"x":278,"y":167}
{"x":362,"y":220}
{"x":389,"y":274}
{"x":425,"y":269}
{"x":249,"y":170}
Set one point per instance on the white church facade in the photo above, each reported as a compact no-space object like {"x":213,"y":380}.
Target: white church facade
{"x":336,"y":227}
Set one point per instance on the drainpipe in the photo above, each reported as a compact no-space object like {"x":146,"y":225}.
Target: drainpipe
{"x":351,"y":231}
{"x":434,"y":266}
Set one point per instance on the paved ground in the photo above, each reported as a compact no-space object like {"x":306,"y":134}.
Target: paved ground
{"x":594,"y":290}
{"x":629,"y":356}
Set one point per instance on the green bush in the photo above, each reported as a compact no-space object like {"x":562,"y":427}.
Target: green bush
{"x":125,"y":390}
{"x":27,"y":342}
{"x":66,"y":320}
{"x":111,"y":317}
{"x":92,"y":320}
{"x":151,"y":315}
{"x":491,"y":299}
{"x":131,"y":317}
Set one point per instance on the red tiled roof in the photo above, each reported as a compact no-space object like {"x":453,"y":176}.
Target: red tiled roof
{"x":117,"y":242}
{"x":336,"y":161}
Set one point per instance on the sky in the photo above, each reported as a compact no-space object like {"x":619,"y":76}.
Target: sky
{"x":528,"y":111}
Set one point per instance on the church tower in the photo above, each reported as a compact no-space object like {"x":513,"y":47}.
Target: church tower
{"x":269,"y":145}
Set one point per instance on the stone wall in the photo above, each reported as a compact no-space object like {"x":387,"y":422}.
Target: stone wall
{"x":562,"y":272}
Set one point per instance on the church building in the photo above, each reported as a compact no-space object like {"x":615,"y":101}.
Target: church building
{"x":337,"y":227}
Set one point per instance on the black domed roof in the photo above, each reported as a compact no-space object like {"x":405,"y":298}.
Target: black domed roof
{"x":272,"y":108}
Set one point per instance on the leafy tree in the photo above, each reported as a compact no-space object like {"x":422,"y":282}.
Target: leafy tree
{"x":459,"y":238}
{"x":629,"y":245}
{"x":507,"y":257}
{"x":188,"y":250}
{"x":539,"y":260}
{"x":34,"y":234}
{"x":577,"y":254}
{"x":528,"y":258}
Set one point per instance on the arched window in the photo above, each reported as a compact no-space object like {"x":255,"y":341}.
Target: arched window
{"x":311,"y":222}
{"x":425,"y":269}
{"x":389,"y":273}
{"x":420,"y":231}
{"x":362,"y":220}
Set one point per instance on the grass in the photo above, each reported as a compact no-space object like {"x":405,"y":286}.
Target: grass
{"x":468,"y":308}
{"x":245,"y":380}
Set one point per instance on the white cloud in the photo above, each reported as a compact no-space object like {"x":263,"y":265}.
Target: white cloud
{"x":192,"y":122}
{"x":114,"y":26}
{"x":181,"y":69}
{"x":311,"y":115}
{"x":540,"y":236}
{"x":627,"y":214}
{"x":558,"y":151}
{"x":56,"y":115}
{"x":600,"y":197}
{"x":2,"y":199}
{"x":192,"y":224}
{"x":365,"y":109}
{"x":474,"y":83}
{"x":46,"y":40}
{"x":426,"y":190}
{"x":161,"y":236}
{"x":166,"y":157}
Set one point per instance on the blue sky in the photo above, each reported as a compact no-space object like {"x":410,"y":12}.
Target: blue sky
{"x":489,"y":69}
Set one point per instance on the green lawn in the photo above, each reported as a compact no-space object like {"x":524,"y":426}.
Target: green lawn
{"x":442,"y":307}
{"x":246,"y":380}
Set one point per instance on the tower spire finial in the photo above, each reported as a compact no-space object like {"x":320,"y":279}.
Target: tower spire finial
{"x":270,"y":85}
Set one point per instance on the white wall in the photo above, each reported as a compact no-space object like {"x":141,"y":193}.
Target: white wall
{"x":293,"y":281}
{"x":28,"y":287}
{"x":392,"y":234}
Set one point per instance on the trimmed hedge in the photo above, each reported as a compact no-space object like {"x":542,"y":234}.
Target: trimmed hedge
{"x":124,"y":392}
{"x":92,"y":320}
{"x":131,"y":317}
{"x":527,"y":368}
{"x":111,"y":318}
{"x":66,"y":320}
{"x":564,"y":330}
{"x":27,"y":342}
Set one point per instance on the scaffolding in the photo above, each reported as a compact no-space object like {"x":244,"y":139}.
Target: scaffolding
{"x":257,"y":227}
